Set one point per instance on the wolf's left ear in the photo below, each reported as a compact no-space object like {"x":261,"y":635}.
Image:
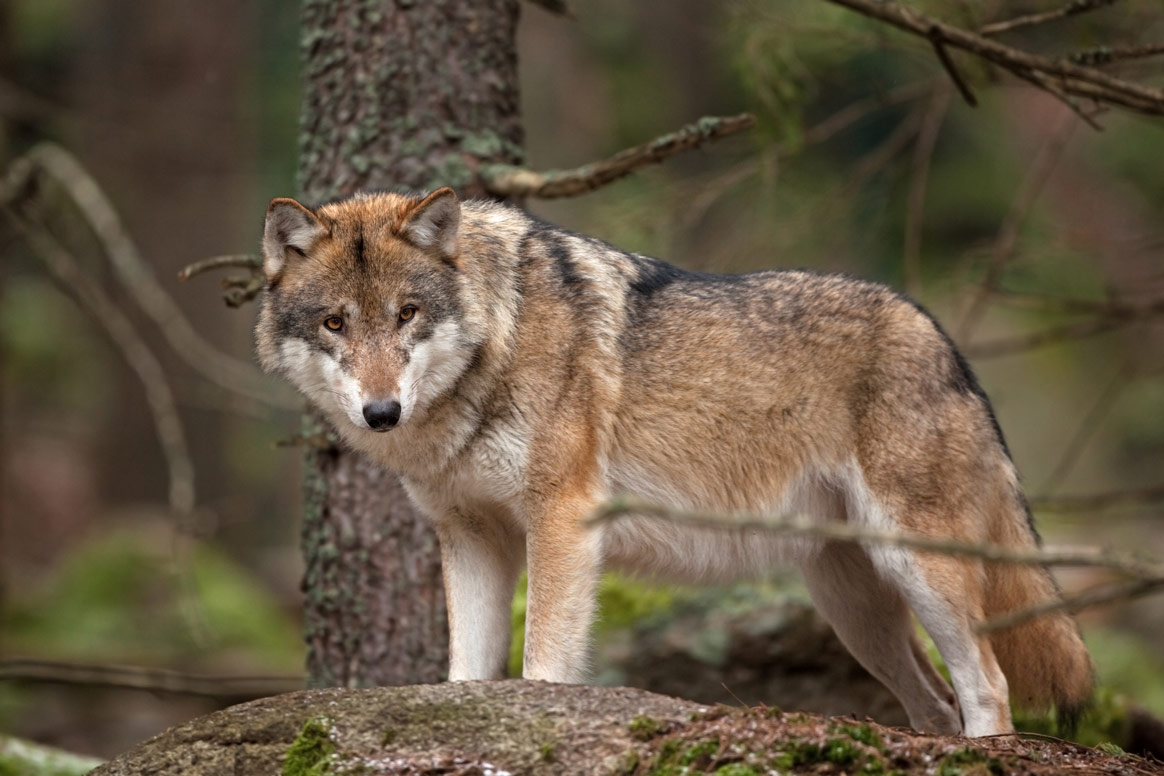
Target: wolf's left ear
{"x":434,"y":223}
{"x":290,"y":228}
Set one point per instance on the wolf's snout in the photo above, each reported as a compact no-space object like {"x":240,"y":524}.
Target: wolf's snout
{"x":382,"y":415}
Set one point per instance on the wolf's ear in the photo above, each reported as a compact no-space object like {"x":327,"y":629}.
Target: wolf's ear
{"x":434,"y":223}
{"x":289,"y":228}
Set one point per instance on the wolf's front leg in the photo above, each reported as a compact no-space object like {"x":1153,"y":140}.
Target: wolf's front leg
{"x":565,"y":560}
{"x":480,"y":561}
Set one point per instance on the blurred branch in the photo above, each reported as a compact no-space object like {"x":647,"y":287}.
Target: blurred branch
{"x":149,"y":371}
{"x":560,"y":7}
{"x":1099,"y":501}
{"x":1091,"y":557}
{"x":160,"y":399}
{"x":1147,"y":575}
{"x":504,"y":180}
{"x":1029,"y":20}
{"x":1111,"y":317}
{"x":1103,"y":594}
{"x":237,"y":289}
{"x":1063,"y":78}
{"x":923,"y":154}
{"x":147,"y":679}
{"x":1090,"y":424}
{"x":1003,"y":250}
{"x":133,"y":272}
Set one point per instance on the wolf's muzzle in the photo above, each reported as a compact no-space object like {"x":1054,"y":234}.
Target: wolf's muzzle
{"x":382,"y":415}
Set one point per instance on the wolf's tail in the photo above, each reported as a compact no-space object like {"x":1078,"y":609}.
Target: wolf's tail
{"x":1044,"y":659}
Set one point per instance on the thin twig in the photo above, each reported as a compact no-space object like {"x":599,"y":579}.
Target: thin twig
{"x":1029,"y":20}
{"x":1147,"y":575}
{"x":1074,"y":80}
{"x":1003,"y":250}
{"x":1105,"y":55}
{"x":1099,"y":501}
{"x":847,"y":532}
{"x":1103,"y":594}
{"x":147,"y":679}
{"x":244,"y":260}
{"x":943,"y":55}
{"x":134,"y":273}
{"x":855,"y":111}
{"x":1091,"y":423}
{"x":923,"y":154}
{"x":1067,"y":332}
{"x":508,"y":181}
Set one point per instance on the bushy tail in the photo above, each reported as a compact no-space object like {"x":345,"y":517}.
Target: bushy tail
{"x":1044,"y":659}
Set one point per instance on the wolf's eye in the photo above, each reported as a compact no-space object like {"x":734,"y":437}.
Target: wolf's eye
{"x":406,"y":313}
{"x":333,"y":323}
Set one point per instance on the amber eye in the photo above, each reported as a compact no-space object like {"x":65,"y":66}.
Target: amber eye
{"x":406,"y":313}
{"x":333,"y":323}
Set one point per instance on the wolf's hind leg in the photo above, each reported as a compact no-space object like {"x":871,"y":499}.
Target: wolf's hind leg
{"x":480,"y":561}
{"x":871,"y":619}
{"x":947,"y":595}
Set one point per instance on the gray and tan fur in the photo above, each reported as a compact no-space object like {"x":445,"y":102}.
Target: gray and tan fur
{"x":519,"y":375}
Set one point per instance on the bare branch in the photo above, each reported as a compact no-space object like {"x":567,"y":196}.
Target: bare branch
{"x":1106,"y":56}
{"x":939,"y":45}
{"x":147,"y":679}
{"x":560,"y":7}
{"x":508,"y":181}
{"x":1147,"y":576}
{"x":147,"y":367}
{"x":1099,"y":501}
{"x":1114,"y":318}
{"x":244,"y":260}
{"x":1122,"y":563}
{"x":1071,"y":9}
{"x":134,"y":273}
{"x":1089,"y":425}
{"x":159,"y":396}
{"x":1003,"y":251}
{"x":923,"y":154}
{"x":1104,"y":594}
{"x":1070,"y":79}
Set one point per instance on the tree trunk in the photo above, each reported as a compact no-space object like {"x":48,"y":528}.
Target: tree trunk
{"x":396,"y":93}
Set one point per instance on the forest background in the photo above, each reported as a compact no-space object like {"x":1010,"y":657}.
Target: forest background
{"x":1037,"y":240}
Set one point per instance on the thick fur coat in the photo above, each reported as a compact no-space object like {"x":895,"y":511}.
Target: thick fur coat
{"x":517,"y":376}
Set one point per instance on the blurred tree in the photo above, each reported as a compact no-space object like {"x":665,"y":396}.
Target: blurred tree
{"x":395,"y":94}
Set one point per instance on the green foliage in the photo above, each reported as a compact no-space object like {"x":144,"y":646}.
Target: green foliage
{"x":644,"y":728}
{"x":968,"y":762}
{"x":23,"y":758}
{"x":125,"y":596}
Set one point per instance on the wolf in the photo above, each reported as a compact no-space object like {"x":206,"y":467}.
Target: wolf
{"x":517,"y":376}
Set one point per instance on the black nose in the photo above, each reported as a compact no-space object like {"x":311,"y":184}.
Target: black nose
{"x":382,"y":415}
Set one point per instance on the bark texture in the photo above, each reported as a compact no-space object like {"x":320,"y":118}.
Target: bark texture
{"x":396,"y":93}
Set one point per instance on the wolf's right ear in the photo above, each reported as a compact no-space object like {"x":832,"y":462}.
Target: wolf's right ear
{"x":434,"y":223}
{"x":290,"y":228}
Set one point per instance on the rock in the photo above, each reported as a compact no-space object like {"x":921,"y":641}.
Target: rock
{"x":518,"y":727}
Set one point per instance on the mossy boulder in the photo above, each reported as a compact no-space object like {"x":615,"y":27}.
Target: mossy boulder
{"x":518,"y":727}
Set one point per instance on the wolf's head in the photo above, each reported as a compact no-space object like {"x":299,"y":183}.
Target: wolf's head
{"x":363,"y":307}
